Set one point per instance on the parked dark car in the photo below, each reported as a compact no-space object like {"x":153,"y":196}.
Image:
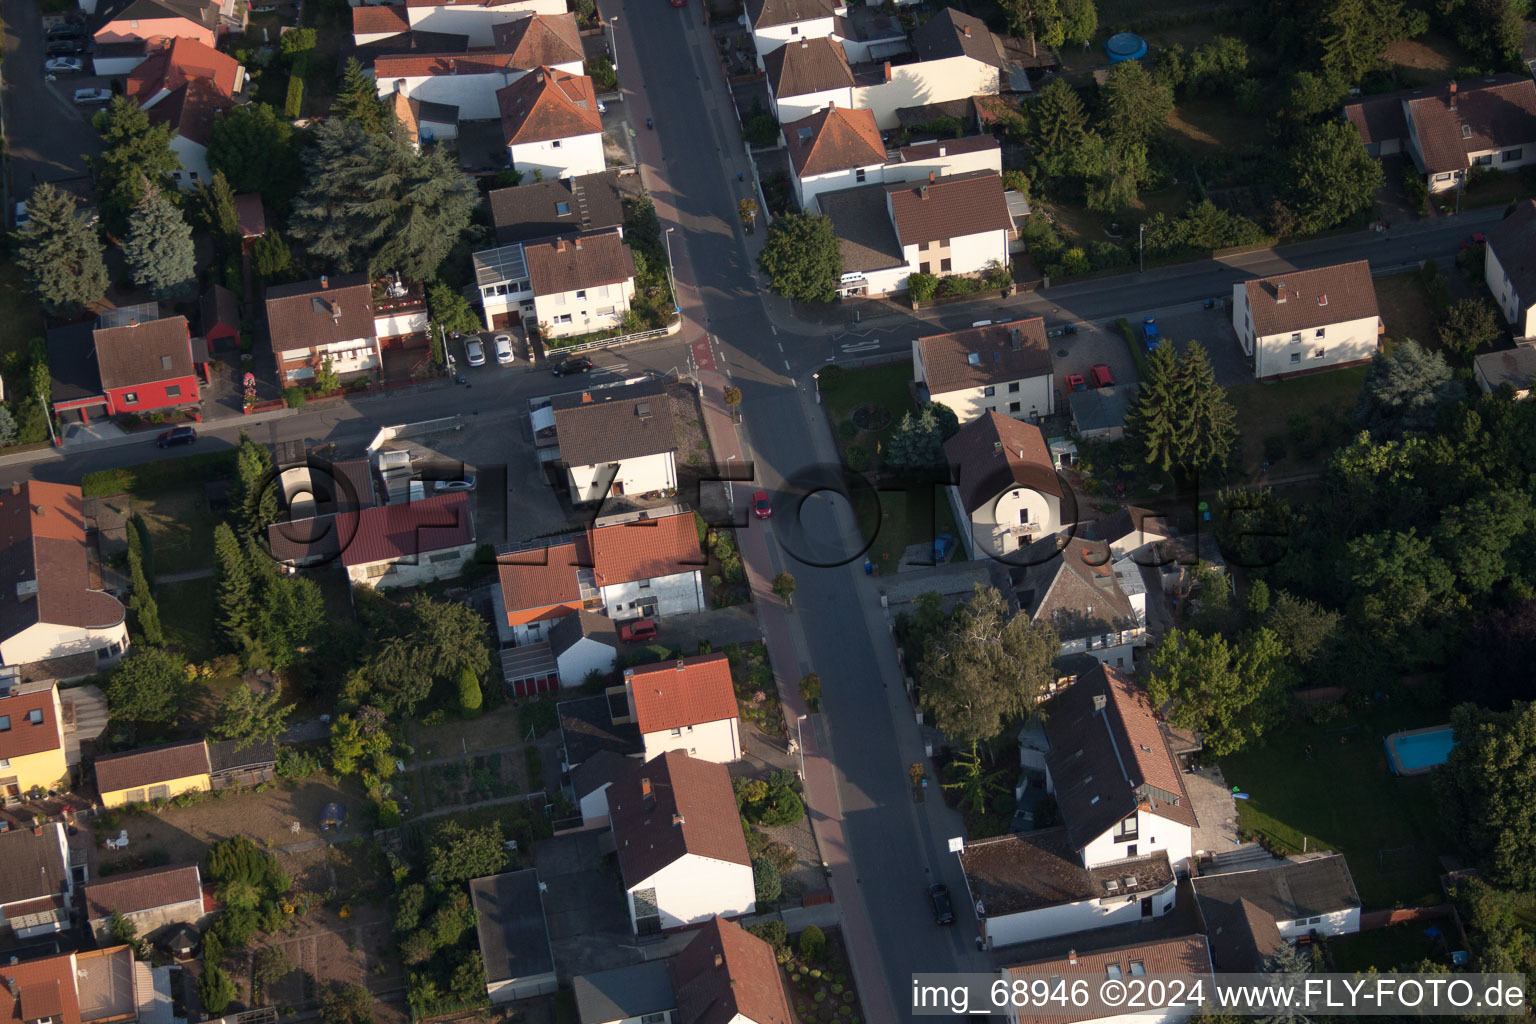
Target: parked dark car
{"x":65,"y":47}
{"x":943,"y":910}
{"x":575,"y":364}
{"x":176,"y":436}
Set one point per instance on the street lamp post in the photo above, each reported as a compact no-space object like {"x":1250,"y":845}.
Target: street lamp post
{"x":800,"y":742}
{"x":613,"y":42}
{"x":1141,"y":247}
{"x":671,"y":278}
{"x":817,"y":378}
{"x":730,"y":487}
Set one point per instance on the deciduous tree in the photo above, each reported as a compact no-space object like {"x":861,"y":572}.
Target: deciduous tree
{"x":60,"y":253}
{"x":457,"y":854}
{"x":1497,"y":655}
{"x":802,"y":258}
{"x":1358,"y":33}
{"x":1484,"y":791}
{"x":159,"y":247}
{"x":257,"y":150}
{"x":1330,"y":175}
{"x":1469,"y":325}
{"x":1231,"y":695}
{"x":986,"y":668}
{"x":1304,"y":628}
{"x":149,"y":687}
{"x":249,"y":717}
{"x":450,"y":310}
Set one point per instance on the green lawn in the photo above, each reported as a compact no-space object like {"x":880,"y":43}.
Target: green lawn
{"x":180,"y":525}
{"x":1344,"y":798}
{"x":1382,"y":949}
{"x":1405,"y":308}
{"x":186,"y":613}
{"x":1325,"y":400}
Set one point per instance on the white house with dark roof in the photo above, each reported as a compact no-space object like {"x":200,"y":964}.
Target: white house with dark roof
{"x":474,"y":19}
{"x":681,"y":850}
{"x":1130,"y":531}
{"x":1033,"y":885}
{"x":808,"y":75}
{"x":1311,"y":896}
{"x":617,"y":441}
{"x":638,"y":994}
{"x":1095,"y":602}
{"x":1304,"y":321}
{"x":1513,"y":366}
{"x":946,"y":157}
{"x":560,"y":206}
{"x":1509,"y":268}
{"x":1118,"y":786}
{"x":1003,"y":368}
{"x":776,"y":23}
{"x":958,"y":58}
{"x":551,"y":124}
{"x":834,"y":148}
{"x":1005,"y":490}
{"x":565,"y":285}
{"x":328,"y":318}
{"x":582,"y":643}
{"x":36,"y":885}
{"x":152,"y":899}
{"x":1187,"y":956}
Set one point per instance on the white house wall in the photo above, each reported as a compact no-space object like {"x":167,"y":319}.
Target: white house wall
{"x":806,"y":189}
{"x":1340,"y":922}
{"x":719,"y":742}
{"x":583,"y":657}
{"x":428,"y":568}
{"x":793,"y":108}
{"x":561,"y":158}
{"x":636,"y":476}
{"x":1519,"y":312}
{"x":42,"y":641}
{"x":929,"y":81}
{"x":992,"y":524}
{"x":510,"y":991}
{"x":400,"y":323}
{"x":1068,"y":918}
{"x":594,"y":807}
{"x":1121,"y":655}
{"x":679,"y":594}
{"x":693,"y":889}
{"x":771,"y":37}
{"x":950,"y":163}
{"x":1154,"y":833}
{"x":602,"y":308}
{"x":108,"y":67}
{"x":474,"y":95}
{"x":478,"y":22}
{"x":1352,"y":341}
{"x":364,"y":38}
{"x":1034,"y":394}
{"x":194,"y":162}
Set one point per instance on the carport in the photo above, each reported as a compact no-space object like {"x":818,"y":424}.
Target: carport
{"x":530,"y":669}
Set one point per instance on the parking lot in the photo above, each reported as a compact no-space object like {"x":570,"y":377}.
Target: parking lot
{"x":47,"y":135}
{"x":1213,"y":329}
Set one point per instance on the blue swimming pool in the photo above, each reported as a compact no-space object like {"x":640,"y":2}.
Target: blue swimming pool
{"x":1417,"y":751}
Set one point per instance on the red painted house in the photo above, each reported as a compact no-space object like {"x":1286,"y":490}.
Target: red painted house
{"x":140,"y":366}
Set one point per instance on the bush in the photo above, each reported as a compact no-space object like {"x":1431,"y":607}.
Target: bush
{"x":216,"y":990}
{"x":766,"y":881}
{"x":603,"y":75}
{"x":857,"y":458}
{"x":772,"y":932}
{"x":469,"y":693}
{"x":294,"y":398}
{"x":293,"y":103}
{"x":810,"y":690}
{"x":783,"y":808}
{"x":813,"y":944}
{"x":922,"y":287}
{"x":296,"y":764}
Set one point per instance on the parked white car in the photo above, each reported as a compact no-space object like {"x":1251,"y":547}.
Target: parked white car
{"x":476,"y":352}
{"x":86,"y":97}
{"x":64,"y":65}
{"x":504,"y":353}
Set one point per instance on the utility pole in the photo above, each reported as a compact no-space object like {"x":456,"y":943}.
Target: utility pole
{"x":671,"y":278}
{"x":613,"y":42}
{"x":1141,"y":247}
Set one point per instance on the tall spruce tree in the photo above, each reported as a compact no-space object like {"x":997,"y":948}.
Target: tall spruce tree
{"x":135,"y":154}
{"x":358,"y":100}
{"x":232,"y":580}
{"x":1181,"y":419}
{"x":61,"y":253}
{"x":141,"y":598}
{"x":214,"y":206}
{"x":1210,"y":428}
{"x":1153,"y":418}
{"x":252,"y":497}
{"x":159,"y":247}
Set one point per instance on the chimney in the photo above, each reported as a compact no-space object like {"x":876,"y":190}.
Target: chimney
{"x":325,"y":282}
{"x":645,"y":788}
{"x":832,"y":104}
{"x":1021,"y":453}
{"x":941,"y":149}
{"x":967,"y":30}
{"x":578,"y":243}
{"x":719,"y":960}
{"x":887,"y":71}
{"x":997,"y":447}
{"x":335,"y":313}
{"x":133,"y":321}
{"x":16,"y":488}
{"x":1322,"y":300}
{"x":1453,"y":95}
{"x":682,"y":666}
{"x":559,"y":245}
{"x":930,"y":177}
{"x":805,"y":44}
{"x":1071,"y":956}
{"x":1280,"y":292}
{"x":1014,"y":340}
{"x":1099,"y":702}
{"x":922,"y":192}
{"x":677,"y":819}
{"x":586,"y":397}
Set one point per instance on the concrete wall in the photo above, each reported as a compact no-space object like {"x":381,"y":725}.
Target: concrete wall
{"x":679,"y":594}
{"x":793,"y":108}
{"x":510,"y":991}
{"x":1067,"y":918}
{"x":428,"y":567}
{"x":1036,"y":394}
{"x":594,"y":807}
{"x":929,"y":81}
{"x":150,"y":920}
{"x":561,"y":158}
{"x":1519,"y":311}
{"x":719,"y":742}
{"x":635,"y":476}
{"x":692,"y":889}
{"x":400,"y":323}
{"x":110,"y":67}
{"x":189,"y":784}
{"x":44,"y":640}
{"x":584,"y":656}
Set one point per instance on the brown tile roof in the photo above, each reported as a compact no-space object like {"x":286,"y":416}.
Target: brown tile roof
{"x":1513,"y":241}
{"x":1183,"y":956}
{"x":1241,"y":935}
{"x":135,"y":891}
{"x":646,"y":829}
{"x":1379,"y":118}
{"x":727,"y":974}
{"x":32,"y":866}
{"x":833,"y":139}
{"x":41,"y":988}
{"x":542,"y":39}
{"x":1495,"y":113}
{"x":191,"y":109}
{"x":42,"y":542}
{"x":135,"y":769}
{"x":1003,"y":353}
{"x":1015,"y":873}
{"x":306,"y":314}
{"x":144,"y":353}
{"x":185,"y":60}
{"x":691,"y":691}
{"x":949,"y":207}
{"x":612,"y":424}
{"x":538,"y":580}
{"x":388,"y":533}
{"x":547,"y":104}
{"x":767,"y":13}
{"x":645,"y":549}
{"x":997,"y":453}
{"x":951,"y":33}
{"x":807,"y":66}
{"x":372,"y":20}
{"x":560,"y":206}
{"x":949,"y":147}
{"x":586,"y":261}
{"x":1075,"y":590}
{"x":1289,"y":891}
{"x":486,"y":61}
{"x":1313,"y":298}
{"x":1108,"y":762}
{"x":21,"y":736}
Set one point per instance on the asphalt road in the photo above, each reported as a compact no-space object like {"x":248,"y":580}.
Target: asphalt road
{"x":47,"y":136}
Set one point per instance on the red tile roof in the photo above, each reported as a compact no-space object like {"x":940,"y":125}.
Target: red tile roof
{"x":833,"y":139}
{"x":1313,"y":298}
{"x":144,"y":353}
{"x":540,"y":40}
{"x":1495,"y":113}
{"x":1187,"y":955}
{"x":135,"y":891}
{"x":675,"y":694}
{"x":22,"y":736}
{"x":995,"y":453}
{"x":726,"y":971}
{"x":387,"y":533}
{"x":135,"y":769}
{"x":949,"y":207}
{"x":43,"y":561}
{"x":308,"y":314}
{"x":184,"y":61}
{"x":41,"y":988}
{"x":585,"y":261}
{"x":547,"y":104}
{"x":533,"y":582}
{"x":372,"y":19}
{"x":949,"y":147}
{"x":690,"y":811}
{"x":487,"y":61}
{"x":191,"y":109}
{"x":646,"y":549}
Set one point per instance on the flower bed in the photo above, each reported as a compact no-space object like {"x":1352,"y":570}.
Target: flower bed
{"x":757,"y":695}
{"x":820,"y":986}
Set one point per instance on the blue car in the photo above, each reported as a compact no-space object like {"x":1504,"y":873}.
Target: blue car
{"x":1149,"y":333}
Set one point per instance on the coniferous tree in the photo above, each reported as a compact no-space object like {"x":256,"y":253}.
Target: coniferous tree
{"x":135,"y":154}
{"x":141,"y":599}
{"x":1181,"y":417}
{"x":214,"y":207}
{"x":1152,"y":420}
{"x":270,"y":257}
{"x":232,"y":580}
{"x":1210,"y":421}
{"x":1058,"y":128}
{"x":252,"y":497}
{"x":159,"y":247}
{"x":358,"y":100}
{"x":257,"y":151}
{"x":61,"y":253}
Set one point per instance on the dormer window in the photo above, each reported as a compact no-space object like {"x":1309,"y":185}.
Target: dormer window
{"x":35,"y":716}
{"x":1466,"y":131}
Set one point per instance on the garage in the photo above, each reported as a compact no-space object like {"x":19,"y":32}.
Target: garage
{"x":530,"y":669}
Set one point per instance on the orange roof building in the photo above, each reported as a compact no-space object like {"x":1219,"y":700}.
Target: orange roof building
{"x":689,"y":705}
{"x":552,"y":124}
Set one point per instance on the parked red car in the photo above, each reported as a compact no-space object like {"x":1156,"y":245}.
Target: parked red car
{"x":761,"y":507}
{"x":1075,"y":382}
{"x":638,"y":631}
{"x":1101,"y":376}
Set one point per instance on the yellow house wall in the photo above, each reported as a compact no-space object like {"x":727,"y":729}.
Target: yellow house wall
{"x":119,"y":797}
{"x":46,"y":769}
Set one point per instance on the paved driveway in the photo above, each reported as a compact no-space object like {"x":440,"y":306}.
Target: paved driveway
{"x":1213,"y":329}
{"x":47,"y":136}
{"x":1076,"y":353}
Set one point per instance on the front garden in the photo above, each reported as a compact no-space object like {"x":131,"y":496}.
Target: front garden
{"x":816,"y":973}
